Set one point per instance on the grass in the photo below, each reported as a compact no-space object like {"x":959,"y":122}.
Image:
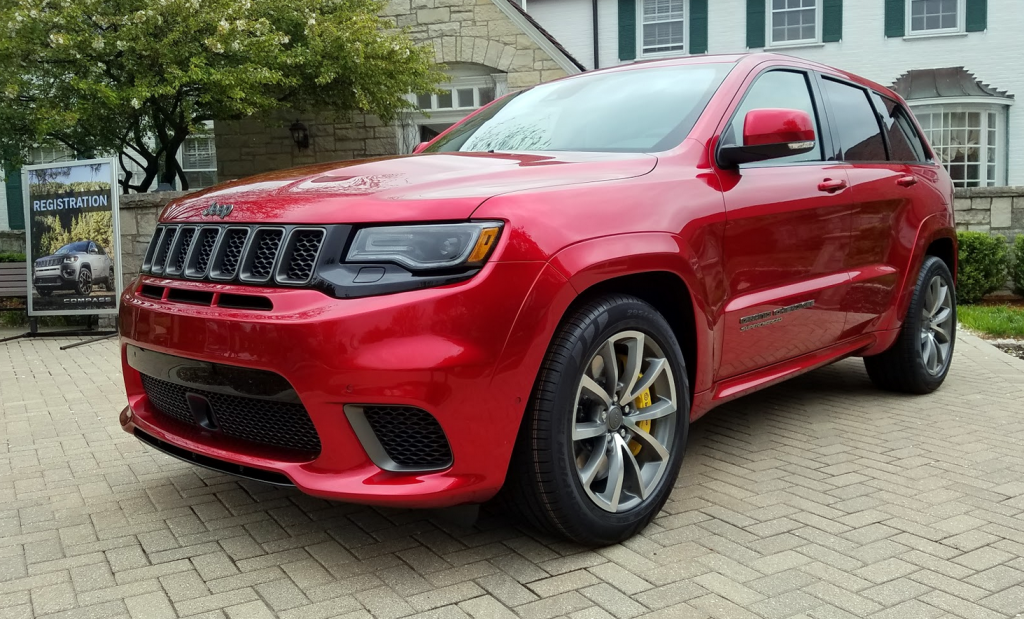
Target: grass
{"x":994,"y":320}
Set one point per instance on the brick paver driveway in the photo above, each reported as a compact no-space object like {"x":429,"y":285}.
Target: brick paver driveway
{"x":818,"y":498}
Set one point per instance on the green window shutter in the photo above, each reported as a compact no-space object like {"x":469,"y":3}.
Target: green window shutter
{"x":977,"y":15}
{"x":755,"y":23}
{"x":627,"y":29}
{"x":832,"y":21}
{"x":698,"y":26}
{"x":895,"y":18}
{"x":15,"y":201}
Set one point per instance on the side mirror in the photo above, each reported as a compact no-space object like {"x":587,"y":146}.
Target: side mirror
{"x":419,"y":147}
{"x":770,"y":134}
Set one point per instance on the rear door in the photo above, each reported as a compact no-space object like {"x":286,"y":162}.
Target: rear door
{"x":888,"y":176}
{"x":786,"y":238}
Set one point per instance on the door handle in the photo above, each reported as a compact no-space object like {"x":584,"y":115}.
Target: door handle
{"x":906,"y":181}
{"x":831,"y":186}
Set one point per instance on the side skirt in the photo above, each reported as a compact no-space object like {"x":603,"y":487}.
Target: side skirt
{"x":750,"y":382}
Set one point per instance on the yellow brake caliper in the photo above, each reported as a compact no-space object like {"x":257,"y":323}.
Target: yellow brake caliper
{"x":642,"y":401}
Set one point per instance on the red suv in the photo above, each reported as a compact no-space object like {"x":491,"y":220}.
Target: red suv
{"x":549,"y":293}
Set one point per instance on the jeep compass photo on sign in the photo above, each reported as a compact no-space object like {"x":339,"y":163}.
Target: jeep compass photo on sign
{"x":542,"y":299}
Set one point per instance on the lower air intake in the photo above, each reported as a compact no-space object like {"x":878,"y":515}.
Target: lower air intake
{"x":410,"y":437}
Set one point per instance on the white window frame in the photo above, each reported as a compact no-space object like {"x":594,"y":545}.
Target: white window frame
{"x":769,"y":14}
{"x":964,"y":104}
{"x":208,"y":133}
{"x":961,"y":21}
{"x":640,"y":53}
{"x":461,"y":83}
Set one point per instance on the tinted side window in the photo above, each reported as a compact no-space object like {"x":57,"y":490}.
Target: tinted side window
{"x":860,"y":138}
{"x":777,"y":89}
{"x":904,"y":142}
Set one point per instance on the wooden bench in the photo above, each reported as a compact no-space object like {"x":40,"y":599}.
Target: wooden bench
{"x":12,"y":284}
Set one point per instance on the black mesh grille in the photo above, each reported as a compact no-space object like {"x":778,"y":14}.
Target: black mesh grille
{"x":186,"y":242}
{"x":207,"y":239}
{"x":410,"y":436}
{"x":303,"y":255}
{"x":232,"y":252}
{"x":165,"y":246}
{"x":265,"y":253}
{"x":278,"y":424}
{"x":280,"y":254}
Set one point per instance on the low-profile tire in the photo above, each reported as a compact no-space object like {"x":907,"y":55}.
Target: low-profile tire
{"x":919,"y":360}
{"x":578,"y":444}
{"x":83,"y":285}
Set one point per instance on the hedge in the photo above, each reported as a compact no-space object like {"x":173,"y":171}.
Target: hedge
{"x":1018,"y":264}
{"x":11,"y":257}
{"x":982,"y":265}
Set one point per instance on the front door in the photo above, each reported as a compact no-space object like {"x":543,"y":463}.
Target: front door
{"x":786,"y":239}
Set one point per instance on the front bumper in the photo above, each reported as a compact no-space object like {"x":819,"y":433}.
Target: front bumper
{"x":56,"y":276}
{"x":466,"y":353}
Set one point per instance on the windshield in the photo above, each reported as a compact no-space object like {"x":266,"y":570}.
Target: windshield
{"x":71,"y":248}
{"x":634,"y":111}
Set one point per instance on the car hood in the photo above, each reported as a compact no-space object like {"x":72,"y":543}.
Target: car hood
{"x":436,"y":186}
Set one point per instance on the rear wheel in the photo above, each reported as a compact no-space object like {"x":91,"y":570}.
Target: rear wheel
{"x":110,"y":280}
{"x":919,"y":360}
{"x":601,"y":445}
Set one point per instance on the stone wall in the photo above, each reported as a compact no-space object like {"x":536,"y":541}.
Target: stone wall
{"x":139,"y":213}
{"x":12,"y":241}
{"x":460,"y":31}
{"x":996,"y":210}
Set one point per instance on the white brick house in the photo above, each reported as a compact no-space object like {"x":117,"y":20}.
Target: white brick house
{"x":971,"y":115}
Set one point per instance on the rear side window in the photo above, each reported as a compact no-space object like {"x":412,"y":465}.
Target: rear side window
{"x":860,"y":137}
{"x":904,"y":143}
{"x":777,"y":89}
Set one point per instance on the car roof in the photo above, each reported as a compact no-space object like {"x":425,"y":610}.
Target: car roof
{"x":750,"y":61}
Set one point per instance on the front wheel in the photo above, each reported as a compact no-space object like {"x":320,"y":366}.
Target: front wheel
{"x":919,"y":359}
{"x":83,"y":285}
{"x":601,"y":446}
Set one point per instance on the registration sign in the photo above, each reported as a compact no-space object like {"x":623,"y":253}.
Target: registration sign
{"x":73,"y":238}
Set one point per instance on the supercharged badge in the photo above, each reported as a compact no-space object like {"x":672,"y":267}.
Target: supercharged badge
{"x":757,"y":318}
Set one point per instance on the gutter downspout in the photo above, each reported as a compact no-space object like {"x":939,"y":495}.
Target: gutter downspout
{"x":597,"y":63}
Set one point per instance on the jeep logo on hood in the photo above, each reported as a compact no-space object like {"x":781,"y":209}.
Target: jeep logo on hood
{"x":220,"y":210}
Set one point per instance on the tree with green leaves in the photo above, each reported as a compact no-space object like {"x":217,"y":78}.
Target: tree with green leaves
{"x":137,"y":77}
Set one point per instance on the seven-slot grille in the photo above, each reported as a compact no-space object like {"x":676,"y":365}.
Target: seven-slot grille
{"x":283,"y":255}
{"x":279,"y":424}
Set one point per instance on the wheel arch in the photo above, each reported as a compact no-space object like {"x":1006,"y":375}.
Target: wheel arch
{"x":668,"y":293}
{"x":936,"y":236}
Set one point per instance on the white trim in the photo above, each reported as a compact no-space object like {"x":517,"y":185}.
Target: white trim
{"x":961,"y":22}
{"x":668,"y":53}
{"x":934,"y":35}
{"x":769,"y":44}
{"x":542,"y":41}
{"x":980,"y":101}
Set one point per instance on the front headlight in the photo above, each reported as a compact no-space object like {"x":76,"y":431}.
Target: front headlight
{"x":70,"y":259}
{"x":426,"y":247}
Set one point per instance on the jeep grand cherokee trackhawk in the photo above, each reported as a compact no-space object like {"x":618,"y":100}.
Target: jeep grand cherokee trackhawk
{"x":549,"y":293}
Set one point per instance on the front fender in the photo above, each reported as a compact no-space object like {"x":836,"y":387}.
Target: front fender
{"x":592,"y":262}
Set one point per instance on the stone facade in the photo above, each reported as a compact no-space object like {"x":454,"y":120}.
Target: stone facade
{"x":139,"y":213}
{"x":12,"y":241}
{"x":997,"y":210}
{"x":460,"y":31}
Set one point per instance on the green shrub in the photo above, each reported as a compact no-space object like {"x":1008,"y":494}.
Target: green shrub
{"x":982,"y":266}
{"x":11,"y":257}
{"x":1018,"y":264}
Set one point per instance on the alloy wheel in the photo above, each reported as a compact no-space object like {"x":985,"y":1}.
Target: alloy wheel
{"x":936,"y":326}
{"x":85,"y":282}
{"x":625,"y":416}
